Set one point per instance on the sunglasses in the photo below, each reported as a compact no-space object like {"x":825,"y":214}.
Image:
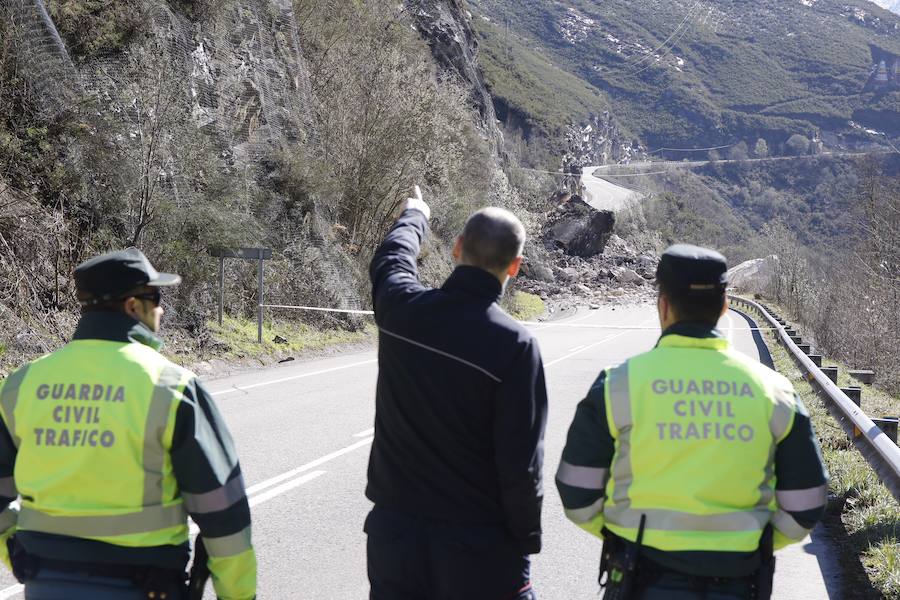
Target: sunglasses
{"x":155,"y":296}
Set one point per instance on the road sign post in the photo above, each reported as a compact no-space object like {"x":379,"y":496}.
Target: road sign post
{"x":258,"y":254}
{"x":259,"y":320}
{"x":221,"y":290}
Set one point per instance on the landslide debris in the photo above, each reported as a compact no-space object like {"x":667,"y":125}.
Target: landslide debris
{"x":579,"y":259}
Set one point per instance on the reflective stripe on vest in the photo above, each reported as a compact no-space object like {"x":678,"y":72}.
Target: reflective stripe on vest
{"x":151,"y":518}
{"x":7,"y":519}
{"x":710,"y":439}
{"x":229,"y":545}
{"x":154,"y":432}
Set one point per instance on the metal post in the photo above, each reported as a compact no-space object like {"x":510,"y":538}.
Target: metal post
{"x":221,"y":289}
{"x":260,"y":316}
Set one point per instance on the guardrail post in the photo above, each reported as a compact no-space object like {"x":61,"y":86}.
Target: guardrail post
{"x":791,"y":332}
{"x":865,"y":376}
{"x":797,"y":339}
{"x":888,"y":426}
{"x":831,"y":373}
{"x":854,"y":393}
{"x":805,"y":348}
{"x":816,"y":359}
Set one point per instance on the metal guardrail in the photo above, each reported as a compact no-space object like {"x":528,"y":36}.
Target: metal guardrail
{"x":876,"y":447}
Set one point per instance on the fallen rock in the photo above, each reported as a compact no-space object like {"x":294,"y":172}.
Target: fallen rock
{"x":579,"y":229}
{"x":537,"y":271}
{"x":617,"y":246}
{"x":565,"y":273}
{"x":629,"y":276}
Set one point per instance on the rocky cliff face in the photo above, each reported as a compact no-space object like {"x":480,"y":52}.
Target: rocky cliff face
{"x":598,"y":142}
{"x":445,"y":25}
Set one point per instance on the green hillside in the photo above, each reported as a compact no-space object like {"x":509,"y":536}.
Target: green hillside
{"x":680,"y":72}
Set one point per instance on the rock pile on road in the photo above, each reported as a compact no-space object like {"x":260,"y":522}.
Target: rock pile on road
{"x":618,"y":275}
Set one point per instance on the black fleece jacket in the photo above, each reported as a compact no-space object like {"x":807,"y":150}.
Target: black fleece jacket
{"x":461,"y":403}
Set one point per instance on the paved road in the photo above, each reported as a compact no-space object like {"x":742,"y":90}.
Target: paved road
{"x":303,"y":432}
{"x":602,"y":194}
{"x":654,"y":165}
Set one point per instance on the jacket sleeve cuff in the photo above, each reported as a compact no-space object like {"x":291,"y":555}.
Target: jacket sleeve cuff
{"x":531,"y":544}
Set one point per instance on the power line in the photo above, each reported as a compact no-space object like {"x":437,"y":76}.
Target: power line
{"x":674,"y":33}
{"x":692,"y":149}
{"x":660,"y":59}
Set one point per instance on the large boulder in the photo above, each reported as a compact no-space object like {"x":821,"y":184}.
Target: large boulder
{"x":579,"y":229}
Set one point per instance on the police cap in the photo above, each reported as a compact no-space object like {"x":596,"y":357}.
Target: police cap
{"x":113,"y":275}
{"x":691,"y":270}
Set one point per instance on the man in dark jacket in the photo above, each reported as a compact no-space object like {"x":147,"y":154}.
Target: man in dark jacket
{"x":461,"y":406}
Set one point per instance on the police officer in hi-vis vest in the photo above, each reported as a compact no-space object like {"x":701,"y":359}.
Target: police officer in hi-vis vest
{"x":692,"y":461}
{"x":110,"y":447}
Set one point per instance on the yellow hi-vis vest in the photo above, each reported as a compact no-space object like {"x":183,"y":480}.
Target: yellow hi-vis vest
{"x":93,"y":443}
{"x":696,"y":425}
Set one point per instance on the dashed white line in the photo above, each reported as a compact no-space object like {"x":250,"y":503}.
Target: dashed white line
{"x":366,"y":433}
{"x":588,"y":347}
{"x":308,"y":466}
{"x":255,"y":497}
{"x":284,"y":487}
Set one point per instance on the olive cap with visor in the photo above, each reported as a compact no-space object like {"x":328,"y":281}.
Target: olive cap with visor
{"x":113,"y":276}
{"x":687,"y":270}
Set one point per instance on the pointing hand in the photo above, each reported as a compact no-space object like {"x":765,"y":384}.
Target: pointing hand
{"x":416,"y":203}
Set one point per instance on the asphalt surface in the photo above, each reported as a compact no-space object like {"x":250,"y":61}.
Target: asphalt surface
{"x":602,"y":194}
{"x":303,"y":433}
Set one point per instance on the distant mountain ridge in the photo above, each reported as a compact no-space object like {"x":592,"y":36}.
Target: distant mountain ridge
{"x":680,"y":73}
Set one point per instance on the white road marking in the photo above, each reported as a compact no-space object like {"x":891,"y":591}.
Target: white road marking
{"x":308,"y":466}
{"x":284,"y":487}
{"x":282,"y":380}
{"x":588,"y":347}
{"x":366,"y":433}
{"x":730,"y":329}
{"x":576,"y":348}
{"x":255,"y":498}
{"x":12,"y":591}
{"x":541,"y":326}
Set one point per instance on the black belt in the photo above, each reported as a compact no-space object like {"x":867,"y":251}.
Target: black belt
{"x":157,"y":582}
{"x":115,"y":571}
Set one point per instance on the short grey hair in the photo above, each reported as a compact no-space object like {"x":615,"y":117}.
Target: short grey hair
{"x":492,"y":238}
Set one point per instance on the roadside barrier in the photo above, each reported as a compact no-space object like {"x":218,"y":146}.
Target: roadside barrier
{"x":876,"y":446}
